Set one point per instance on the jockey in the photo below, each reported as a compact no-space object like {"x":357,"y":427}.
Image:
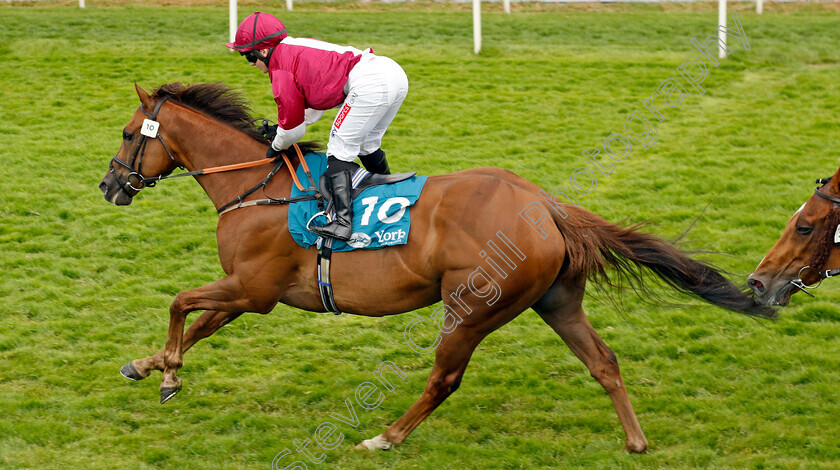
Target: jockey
{"x":309,"y":76}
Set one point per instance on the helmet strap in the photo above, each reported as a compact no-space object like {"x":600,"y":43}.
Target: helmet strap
{"x":266,"y":58}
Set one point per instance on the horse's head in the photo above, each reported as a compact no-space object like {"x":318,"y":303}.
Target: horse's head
{"x":809,"y":245}
{"x":143,"y":155}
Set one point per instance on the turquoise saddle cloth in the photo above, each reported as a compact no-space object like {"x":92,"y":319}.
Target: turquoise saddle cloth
{"x":381,"y":214}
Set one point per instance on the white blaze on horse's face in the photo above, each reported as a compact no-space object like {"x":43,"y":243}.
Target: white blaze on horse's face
{"x":794,"y":215}
{"x":759,"y":264}
{"x":800,"y":208}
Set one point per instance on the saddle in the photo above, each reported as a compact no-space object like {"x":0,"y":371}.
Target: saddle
{"x":361,"y":180}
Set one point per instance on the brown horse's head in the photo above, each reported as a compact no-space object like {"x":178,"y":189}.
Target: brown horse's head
{"x":142,"y":156}
{"x":807,"y":247}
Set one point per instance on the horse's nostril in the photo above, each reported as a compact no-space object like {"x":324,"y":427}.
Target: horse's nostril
{"x":104,"y":187}
{"x":756,"y":285}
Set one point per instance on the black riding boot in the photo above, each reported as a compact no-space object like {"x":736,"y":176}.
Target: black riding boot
{"x":375,"y":162}
{"x":341,"y":226}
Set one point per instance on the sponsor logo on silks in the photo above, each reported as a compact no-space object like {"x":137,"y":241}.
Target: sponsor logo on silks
{"x":343,"y":114}
{"x":391,"y":238}
{"x":359,"y":240}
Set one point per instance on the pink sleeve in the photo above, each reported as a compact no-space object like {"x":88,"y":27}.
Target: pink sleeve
{"x":290,"y":101}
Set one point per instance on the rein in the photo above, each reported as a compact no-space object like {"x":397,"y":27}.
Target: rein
{"x":238,"y":202}
{"x":820,"y":255}
{"x":150,"y":130}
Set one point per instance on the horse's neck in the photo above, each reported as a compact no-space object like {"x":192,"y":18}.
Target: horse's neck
{"x":208,"y":144}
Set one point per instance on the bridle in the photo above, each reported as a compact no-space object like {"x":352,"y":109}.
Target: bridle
{"x":836,"y":240}
{"x":149,"y":130}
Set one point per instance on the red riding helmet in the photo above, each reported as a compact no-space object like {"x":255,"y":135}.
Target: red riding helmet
{"x":258,"y":31}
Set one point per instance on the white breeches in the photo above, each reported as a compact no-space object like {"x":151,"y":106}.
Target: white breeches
{"x":376,"y":87}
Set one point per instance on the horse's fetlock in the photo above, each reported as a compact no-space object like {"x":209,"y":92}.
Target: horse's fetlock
{"x":173,"y":361}
{"x":393,"y":438}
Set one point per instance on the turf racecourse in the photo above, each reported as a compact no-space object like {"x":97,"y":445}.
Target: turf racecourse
{"x":86,"y":286}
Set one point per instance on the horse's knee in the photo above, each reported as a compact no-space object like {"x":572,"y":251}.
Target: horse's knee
{"x":178,"y":306}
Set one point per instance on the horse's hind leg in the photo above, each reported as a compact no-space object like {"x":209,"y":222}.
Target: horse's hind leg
{"x":451,"y":358}
{"x":203,"y":326}
{"x":570,"y":322}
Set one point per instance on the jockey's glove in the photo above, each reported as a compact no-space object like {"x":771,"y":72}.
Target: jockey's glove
{"x":269,"y":131}
{"x":271,"y":153}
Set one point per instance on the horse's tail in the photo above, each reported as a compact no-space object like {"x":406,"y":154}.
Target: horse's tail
{"x":593,"y":245}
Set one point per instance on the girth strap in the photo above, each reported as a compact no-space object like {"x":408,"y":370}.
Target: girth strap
{"x":325,"y":251}
{"x":324,"y":283}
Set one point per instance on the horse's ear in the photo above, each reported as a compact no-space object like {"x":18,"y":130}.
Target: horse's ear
{"x":145,"y":99}
{"x":834,"y":184}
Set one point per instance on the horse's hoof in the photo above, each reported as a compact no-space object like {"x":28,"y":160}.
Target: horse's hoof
{"x":636,"y":447}
{"x":130,"y":372}
{"x":168,"y":392}
{"x":376,"y":443}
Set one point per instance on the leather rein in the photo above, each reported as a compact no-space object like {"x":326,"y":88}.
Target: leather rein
{"x":151,"y":132}
{"x":827,"y":273}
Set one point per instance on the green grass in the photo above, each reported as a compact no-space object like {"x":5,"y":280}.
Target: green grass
{"x":86,"y":286}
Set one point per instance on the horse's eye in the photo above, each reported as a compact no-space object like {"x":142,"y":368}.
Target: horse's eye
{"x":127,"y":137}
{"x":804,"y":230}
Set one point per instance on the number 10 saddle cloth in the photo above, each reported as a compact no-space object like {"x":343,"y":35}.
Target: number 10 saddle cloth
{"x":381,"y":209}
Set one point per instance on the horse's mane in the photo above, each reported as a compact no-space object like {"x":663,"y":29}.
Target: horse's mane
{"x":222,"y":103}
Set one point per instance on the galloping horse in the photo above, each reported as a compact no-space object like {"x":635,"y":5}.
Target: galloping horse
{"x":808,"y":250}
{"x":557,"y":250}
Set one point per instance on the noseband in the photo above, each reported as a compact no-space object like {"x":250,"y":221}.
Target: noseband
{"x":148,"y":130}
{"x":820,"y":262}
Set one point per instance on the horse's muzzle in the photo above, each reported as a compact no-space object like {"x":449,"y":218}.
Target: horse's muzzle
{"x":771,"y":292}
{"x":114,"y":191}
{"x":756,"y":286}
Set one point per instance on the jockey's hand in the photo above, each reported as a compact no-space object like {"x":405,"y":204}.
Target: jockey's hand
{"x":271,"y":132}
{"x":273,"y":154}
{"x":268,"y":130}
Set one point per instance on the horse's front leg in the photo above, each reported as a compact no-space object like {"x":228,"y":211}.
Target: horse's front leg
{"x":205,"y":325}
{"x":173,"y":354}
{"x":224,"y":295}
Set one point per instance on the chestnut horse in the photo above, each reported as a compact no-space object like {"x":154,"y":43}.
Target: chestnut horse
{"x":556,"y":250}
{"x":808,"y":250}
